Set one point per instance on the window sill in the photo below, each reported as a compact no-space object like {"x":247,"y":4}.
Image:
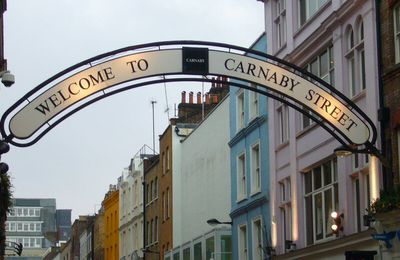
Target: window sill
{"x":281,"y":146}
{"x":304,"y":131}
{"x":280,"y":49}
{"x":255,"y":192}
{"x":241,"y":199}
{"x":358,"y":96}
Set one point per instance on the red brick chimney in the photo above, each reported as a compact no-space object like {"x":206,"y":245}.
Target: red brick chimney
{"x":198,"y":97}
{"x":191,"y":97}
{"x":183,"y":100}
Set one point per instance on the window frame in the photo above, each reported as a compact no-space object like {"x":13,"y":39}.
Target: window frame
{"x":321,"y":189}
{"x":243,"y":242}
{"x":240,"y":107}
{"x":255,"y":176}
{"x":396,"y":31}
{"x":258,"y":237}
{"x":241,"y":176}
{"x":254,"y":102}
{"x":280,"y":23}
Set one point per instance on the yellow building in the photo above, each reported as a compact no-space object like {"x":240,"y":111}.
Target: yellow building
{"x":111,"y":217}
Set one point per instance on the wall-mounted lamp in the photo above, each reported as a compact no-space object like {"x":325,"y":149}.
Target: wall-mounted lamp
{"x":214,"y":222}
{"x":346,"y":150}
{"x":7,"y":78}
{"x":337,"y":222}
{"x":289,"y":245}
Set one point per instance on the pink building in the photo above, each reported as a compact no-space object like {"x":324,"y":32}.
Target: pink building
{"x":335,"y":40}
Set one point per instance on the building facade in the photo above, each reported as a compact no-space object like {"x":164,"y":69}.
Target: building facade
{"x":249,"y":170}
{"x":336,"y":41}
{"x":389,"y":42}
{"x":204,"y":163}
{"x":165,"y":192}
{"x":111,"y":218}
{"x":152,"y":172}
{"x":33,"y":223}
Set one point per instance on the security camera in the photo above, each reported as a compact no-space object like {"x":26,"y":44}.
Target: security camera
{"x":7,"y":78}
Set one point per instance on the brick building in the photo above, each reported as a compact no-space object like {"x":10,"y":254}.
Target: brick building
{"x":389,"y":13}
{"x":152,"y":170}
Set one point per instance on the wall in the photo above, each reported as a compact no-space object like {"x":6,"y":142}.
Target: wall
{"x":205,"y":178}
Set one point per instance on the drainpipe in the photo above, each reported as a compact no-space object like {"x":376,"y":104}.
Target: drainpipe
{"x":382,"y":112}
{"x":144,"y":218}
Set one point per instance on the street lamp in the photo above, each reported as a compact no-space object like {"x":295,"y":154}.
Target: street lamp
{"x":214,"y":222}
{"x":346,"y":150}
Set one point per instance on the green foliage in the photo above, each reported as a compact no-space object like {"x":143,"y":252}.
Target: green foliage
{"x":388,"y":201}
{"x":5,"y":194}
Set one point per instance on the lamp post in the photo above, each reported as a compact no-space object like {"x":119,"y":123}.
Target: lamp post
{"x":214,"y":222}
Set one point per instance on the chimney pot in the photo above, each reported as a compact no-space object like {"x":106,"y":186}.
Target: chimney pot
{"x":183,"y":101}
{"x":207,"y":98}
{"x":191,"y":97}
{"x":198,"y":97}
{"x":215,"y":99}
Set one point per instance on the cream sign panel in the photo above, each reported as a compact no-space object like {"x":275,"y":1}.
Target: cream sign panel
{"x":290,"y":84}
{"x":199,"y":61}
{"x":85,"y":83}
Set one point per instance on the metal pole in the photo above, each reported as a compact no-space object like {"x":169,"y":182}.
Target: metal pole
{"x":154,"y":141}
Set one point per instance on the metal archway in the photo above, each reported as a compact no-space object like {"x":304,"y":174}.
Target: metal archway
{"x":91,"y":80}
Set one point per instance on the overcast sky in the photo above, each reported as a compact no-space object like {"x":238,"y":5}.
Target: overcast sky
{"x":77,"y":160}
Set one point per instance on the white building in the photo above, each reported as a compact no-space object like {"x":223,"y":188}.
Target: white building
{"x":335,"y":40}
{"x":201,"y":187}
{"x":131,"y":208}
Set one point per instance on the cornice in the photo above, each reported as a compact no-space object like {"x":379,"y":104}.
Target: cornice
{"x":254,"y":124}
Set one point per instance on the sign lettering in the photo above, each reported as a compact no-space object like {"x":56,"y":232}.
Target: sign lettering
{"x":200,"y":61}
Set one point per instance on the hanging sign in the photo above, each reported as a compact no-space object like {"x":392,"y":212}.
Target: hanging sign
{"x":200,"y":61}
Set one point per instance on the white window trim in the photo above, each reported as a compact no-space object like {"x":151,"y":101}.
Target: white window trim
{"x":241,"y":195}
{"x":254,"y":103}
{"x":240,"y":245}
{"x":240,"y":115}
{"x":261,"y":243}
{"x":283,"y":123}
{"x":255,"y":190}
{"x":320,"y":190}
{"x":280,"y":26}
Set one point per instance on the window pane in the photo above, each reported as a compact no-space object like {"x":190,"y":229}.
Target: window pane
{"x":226,"y":246}
{"x":176,"y":256}
{"x":317,"y":178}
{"x":328,"y":210}
{"x":362,"y":69}
{"x":209,"y":247}
{"x":319,"y":224}
{"x":314,"y":67}
{"x":309,"y":220}
{"x":324,"y":64}
{"x":303,"y":11}
{"x":308,"y":182}
{"x":197,"y":251}
{"x":327,"y":173}
{"x":186,"y":254}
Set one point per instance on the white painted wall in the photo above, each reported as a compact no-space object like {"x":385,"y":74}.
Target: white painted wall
{"x":131,"y":209}
{"x":202,"y":174}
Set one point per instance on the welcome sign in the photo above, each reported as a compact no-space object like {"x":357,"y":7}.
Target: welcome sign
{"x":201,"y":61}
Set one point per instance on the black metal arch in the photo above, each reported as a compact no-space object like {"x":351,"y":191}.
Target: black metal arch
{"x":369,"y":146}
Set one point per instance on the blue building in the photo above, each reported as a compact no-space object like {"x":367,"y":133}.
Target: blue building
{"x":249,"y":170}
